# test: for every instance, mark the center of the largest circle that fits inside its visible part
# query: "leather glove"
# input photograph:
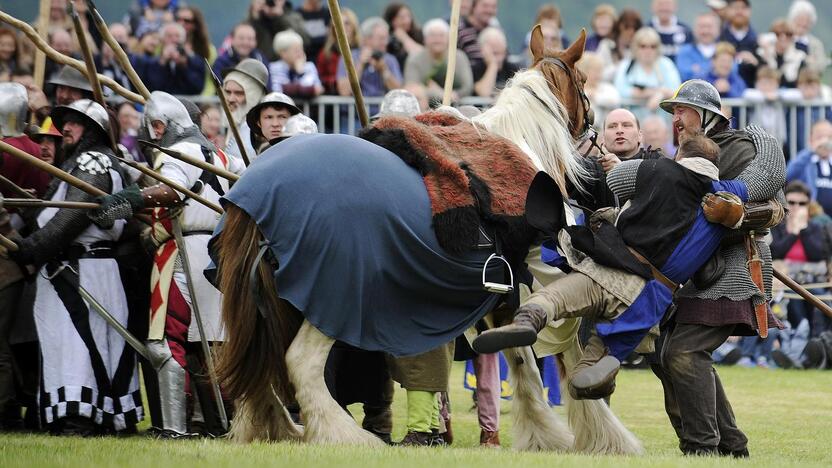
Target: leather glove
(723, 208)
(120, 205)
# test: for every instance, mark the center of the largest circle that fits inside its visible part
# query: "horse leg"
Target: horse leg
(325, 421)
(536, 426)
(597, 429)
(263, 418)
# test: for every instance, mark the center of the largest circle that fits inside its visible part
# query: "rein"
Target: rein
(587, 127)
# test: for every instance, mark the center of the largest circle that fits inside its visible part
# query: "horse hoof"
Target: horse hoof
(596, 381)
(509, 336)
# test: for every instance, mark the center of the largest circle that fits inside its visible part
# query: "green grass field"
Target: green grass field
(787, 416)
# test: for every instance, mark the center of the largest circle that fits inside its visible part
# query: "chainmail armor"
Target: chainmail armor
(622, 179)
(764, 177)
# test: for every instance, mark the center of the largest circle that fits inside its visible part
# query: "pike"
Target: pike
(51, 170)
(228, 115)
(38, 203)
(62, 59)
(192, 161)
(346, 53)
(153, 174)
(206, 350)
(129, 338)
(802, 292)
(452, 41)
(16, 188)
(120, 55)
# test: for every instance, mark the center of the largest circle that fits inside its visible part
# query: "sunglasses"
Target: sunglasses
(648, 46)
(185, 20)
(783, 34)
(797, 203)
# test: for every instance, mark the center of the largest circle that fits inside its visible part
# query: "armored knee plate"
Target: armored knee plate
(171, 378)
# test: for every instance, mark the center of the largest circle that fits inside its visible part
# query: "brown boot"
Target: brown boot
(596, 381)
(522, 331)
(489, 439)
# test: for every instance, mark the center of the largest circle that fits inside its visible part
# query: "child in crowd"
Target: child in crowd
(293, 75)
(724, 74)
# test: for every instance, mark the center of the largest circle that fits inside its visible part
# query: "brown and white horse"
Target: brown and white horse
(281, 356)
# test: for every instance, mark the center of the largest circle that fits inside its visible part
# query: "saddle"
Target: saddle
(476, 181)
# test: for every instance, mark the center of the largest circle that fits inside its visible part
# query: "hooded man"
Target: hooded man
(244, 86)
(89, 379)
(173, 335)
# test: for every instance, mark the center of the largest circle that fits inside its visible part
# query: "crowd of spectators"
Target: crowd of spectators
(632, 57)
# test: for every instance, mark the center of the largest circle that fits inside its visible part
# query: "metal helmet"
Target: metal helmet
(398, 102)
(193, 110)
(14, 104)
(167, 109)
(695, 93)
(72, 78)
(89, 111)
(270, 100)
(299, 124)
(252, 68)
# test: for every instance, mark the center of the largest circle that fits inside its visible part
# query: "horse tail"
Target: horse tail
(597, 429)
(536, 426)
(251, 364)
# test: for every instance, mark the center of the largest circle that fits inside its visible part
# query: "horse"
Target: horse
(275, 352)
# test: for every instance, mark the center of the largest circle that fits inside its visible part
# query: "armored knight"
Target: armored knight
(89, 378)
(174, 336)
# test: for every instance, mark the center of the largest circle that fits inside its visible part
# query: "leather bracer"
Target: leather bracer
(159, 195)
(762, 215)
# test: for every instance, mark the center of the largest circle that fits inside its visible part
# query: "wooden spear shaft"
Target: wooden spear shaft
(51, 170)
(800, 290)
(43, 29)
(8, 243)
(38, 203)
(16, 188)
(120, 55)
(152, 174)
(193, 161)
(452, 41)
(63, 59)
(89, 62)
(346, 53)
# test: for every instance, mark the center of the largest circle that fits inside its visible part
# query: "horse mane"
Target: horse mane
(250, 363)
(530, 115)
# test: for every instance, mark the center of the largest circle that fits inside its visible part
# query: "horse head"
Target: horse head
(565, 81)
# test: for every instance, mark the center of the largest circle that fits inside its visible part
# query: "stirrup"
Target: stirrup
(498, 288)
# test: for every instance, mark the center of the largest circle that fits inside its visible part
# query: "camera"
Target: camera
(270, 3)
(378, 55)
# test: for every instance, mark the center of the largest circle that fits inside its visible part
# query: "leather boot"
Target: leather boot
(522, 331)
(596, 381)
(489, 439)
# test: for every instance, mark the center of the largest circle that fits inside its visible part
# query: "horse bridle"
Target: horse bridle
(588, 131)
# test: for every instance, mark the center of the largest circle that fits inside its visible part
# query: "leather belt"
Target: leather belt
(101, 249)
(658, 275)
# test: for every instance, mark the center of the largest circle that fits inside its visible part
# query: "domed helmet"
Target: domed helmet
(270, 100)
(398, 102)
(170, 111)
(299, 124)
(90, 112)
(695, 93)
(71, 78)
(252, 68)
(14, 104)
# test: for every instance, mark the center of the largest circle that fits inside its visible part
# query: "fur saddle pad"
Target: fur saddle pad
(473, 177)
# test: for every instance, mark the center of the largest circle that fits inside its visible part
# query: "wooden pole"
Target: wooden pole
(228, 115)
(62, 59)
(346, 53)
(452, 41)
(8, 243)
(38, 203)
(152, 174)
(16, 188)
(193, 161)
(792, 284)
(51, 170)
(89, 61)
(43, 31)
(120, 55)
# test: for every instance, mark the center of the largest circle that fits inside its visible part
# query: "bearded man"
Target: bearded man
(244, 86)
(89, 378)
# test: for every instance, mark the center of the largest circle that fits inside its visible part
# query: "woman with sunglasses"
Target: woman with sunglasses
(778, 50)
(647, 76)
(198, 41)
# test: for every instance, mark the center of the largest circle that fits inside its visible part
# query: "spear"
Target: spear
(62, 59)
(38, 203)
(120, 56)
(346, 53)
(152, 174)
(193, 161)
(228, 115)
(51, 170)
(92, 75)
(451, 69)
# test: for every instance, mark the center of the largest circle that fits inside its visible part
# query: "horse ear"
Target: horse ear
(576, 50)
(536, 44)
